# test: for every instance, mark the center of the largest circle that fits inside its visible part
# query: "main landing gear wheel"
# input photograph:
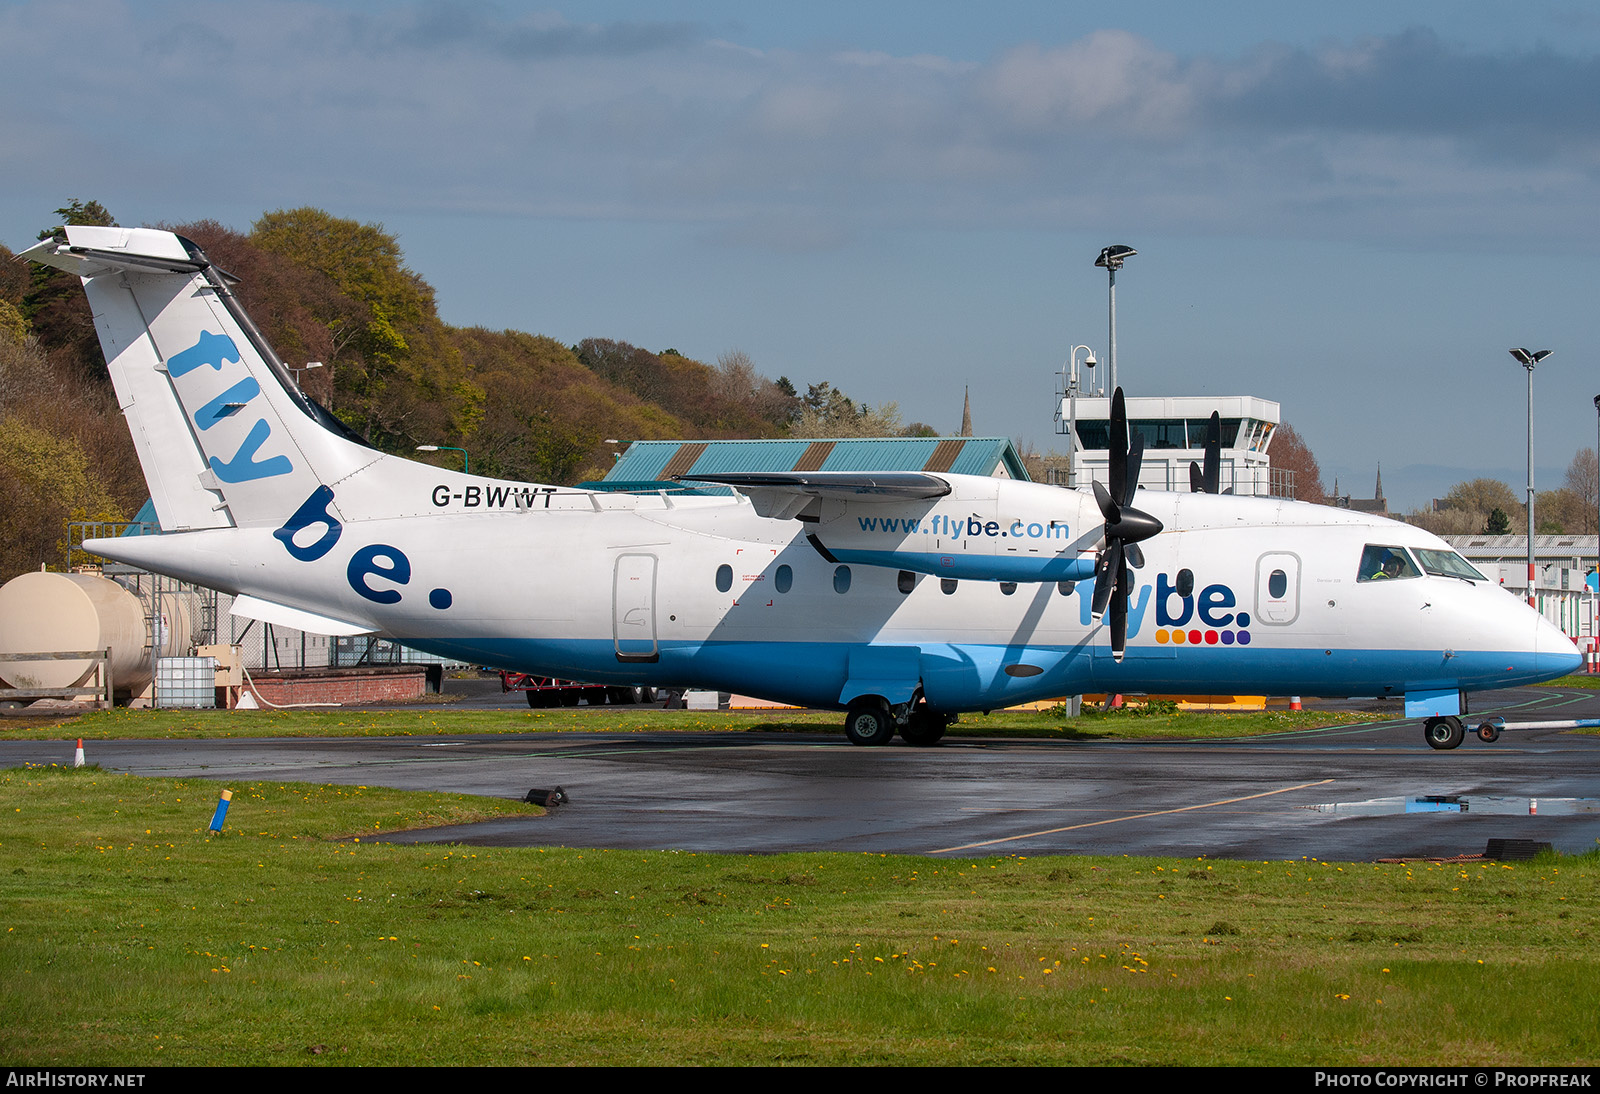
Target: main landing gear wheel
(868, 722)
(1443, 733)
(924, 728)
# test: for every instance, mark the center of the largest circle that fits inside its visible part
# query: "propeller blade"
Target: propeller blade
(1135, 462)
(1119, 615)
(1134, 555)
(1105, 576)
(1213, 469)
(1118, 448)
(1108, 508)
(1197, 479)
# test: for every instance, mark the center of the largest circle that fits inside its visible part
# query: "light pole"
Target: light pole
(1111, 260)
(466, 467)
(1072, 410)
(1594, 612)
(1527, 359)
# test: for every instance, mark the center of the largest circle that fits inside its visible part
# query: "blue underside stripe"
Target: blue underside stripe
(973, 677)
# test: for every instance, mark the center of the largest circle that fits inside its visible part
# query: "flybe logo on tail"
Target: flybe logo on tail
(217, 350)
(312, 531)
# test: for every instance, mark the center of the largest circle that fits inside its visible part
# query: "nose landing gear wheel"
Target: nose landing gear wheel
(1443, 733)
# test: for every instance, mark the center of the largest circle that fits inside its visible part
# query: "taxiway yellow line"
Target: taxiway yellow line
(1131, 816)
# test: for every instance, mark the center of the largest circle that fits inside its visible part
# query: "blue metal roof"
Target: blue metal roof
(653, 461)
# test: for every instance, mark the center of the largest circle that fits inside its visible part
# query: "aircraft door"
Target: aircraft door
(1278, 588)
(633, 599)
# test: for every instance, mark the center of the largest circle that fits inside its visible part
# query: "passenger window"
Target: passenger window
(783, 580)
(1008, 587)
(907, 581)
(1186, 583)
(724, 578)
(841, 579)
(1277, 584)
(1381, 563)
(947, 585)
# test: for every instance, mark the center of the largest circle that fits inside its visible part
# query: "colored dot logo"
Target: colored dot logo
(1179, 637)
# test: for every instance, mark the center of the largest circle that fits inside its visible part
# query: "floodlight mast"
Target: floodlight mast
(1527, 359)
(1111, 259)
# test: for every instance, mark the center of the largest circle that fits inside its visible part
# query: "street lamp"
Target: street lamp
(1527, 359)
(304, 368)
(1072, 410)
(466, 467)
(1111, 260)
(1594, 612)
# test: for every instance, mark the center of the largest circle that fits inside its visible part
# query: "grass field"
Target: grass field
(1578, 680)
(133, 937)
(1091, 725)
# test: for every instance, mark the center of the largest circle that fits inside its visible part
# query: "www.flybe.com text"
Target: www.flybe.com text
(965, 527)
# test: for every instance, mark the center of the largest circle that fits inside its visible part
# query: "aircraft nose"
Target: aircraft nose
(1553, 651)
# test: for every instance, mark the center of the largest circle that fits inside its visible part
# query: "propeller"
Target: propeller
(1125, 527)
(1209, 481)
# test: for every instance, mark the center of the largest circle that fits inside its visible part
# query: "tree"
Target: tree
(1561, 511)
(826, 412)
(1498, 523)
(1290, 452)
(739, 384)
(56, 309)
(47, 480)
(401, 381)
(1583, 480)
(731, 400)
(1469, 507)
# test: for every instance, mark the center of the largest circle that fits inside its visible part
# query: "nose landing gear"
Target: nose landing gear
(1444, 733)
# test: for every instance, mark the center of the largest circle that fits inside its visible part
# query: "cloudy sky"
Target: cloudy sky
(1354, 209)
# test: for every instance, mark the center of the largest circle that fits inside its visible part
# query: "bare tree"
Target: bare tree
(1583, 481)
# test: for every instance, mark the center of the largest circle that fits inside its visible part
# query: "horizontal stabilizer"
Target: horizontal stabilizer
(281, 615)
(99, 250)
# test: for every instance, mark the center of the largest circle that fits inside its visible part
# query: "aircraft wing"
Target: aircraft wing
(785, 494)
(842, 485)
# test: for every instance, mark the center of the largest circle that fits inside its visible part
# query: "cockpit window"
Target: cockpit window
(1380, 563)
(1448, 564)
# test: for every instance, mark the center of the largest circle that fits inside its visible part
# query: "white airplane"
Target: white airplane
(902, 598)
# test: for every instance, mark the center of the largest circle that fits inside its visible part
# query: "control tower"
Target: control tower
(1174, 430)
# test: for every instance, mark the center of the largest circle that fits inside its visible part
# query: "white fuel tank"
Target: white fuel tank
(51, 613)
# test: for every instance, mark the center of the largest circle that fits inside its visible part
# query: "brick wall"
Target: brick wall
(344, 686)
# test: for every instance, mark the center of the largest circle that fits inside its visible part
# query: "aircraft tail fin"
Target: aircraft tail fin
(224, 435)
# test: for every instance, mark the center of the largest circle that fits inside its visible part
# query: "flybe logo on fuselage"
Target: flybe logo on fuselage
(1203, 618)
(1212, 607)
(217, 350)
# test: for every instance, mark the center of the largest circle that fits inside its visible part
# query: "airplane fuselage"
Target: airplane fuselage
(702, 591)
(903, 597)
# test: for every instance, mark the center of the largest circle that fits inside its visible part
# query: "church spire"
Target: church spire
(1378, 494)
(966, 412)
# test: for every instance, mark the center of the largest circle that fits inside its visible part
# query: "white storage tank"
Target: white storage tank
(58, 613)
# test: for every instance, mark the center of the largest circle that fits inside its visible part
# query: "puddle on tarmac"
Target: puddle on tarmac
(1483, 804)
